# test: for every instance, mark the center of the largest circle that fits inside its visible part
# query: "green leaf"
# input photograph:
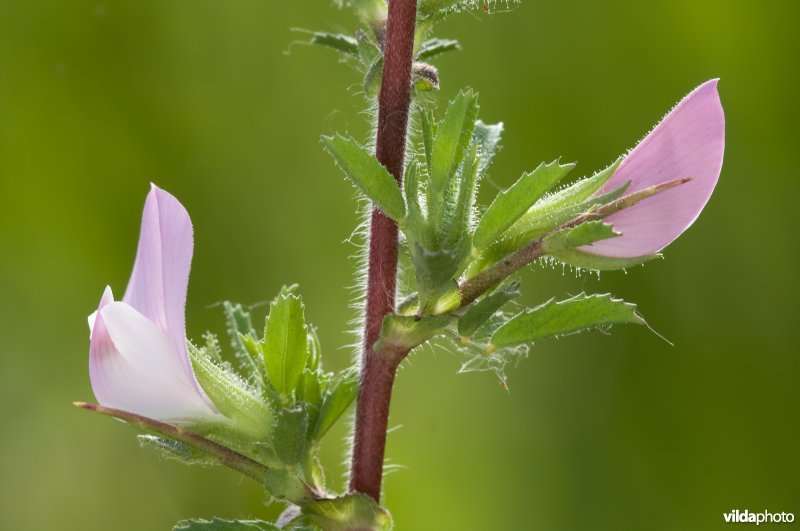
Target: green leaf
(428, 129)
(434, 271)
(343, 43)
(286, 485)
(341, 393)
(512, 203)
(252, 417)
(593, 262)
(487, 136)
(289, 437)
(373, 77)
(459, 225)
(433, 47)
(285, 343)
(452, 140)
(415, 226)
(218, 524)
(403, 333)
(481, 311)
(369, 175)
(354, 511)
(584, 234)
(552, 318)
(310, 392)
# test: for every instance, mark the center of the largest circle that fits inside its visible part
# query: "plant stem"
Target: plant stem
(220, 454)
(378, 368)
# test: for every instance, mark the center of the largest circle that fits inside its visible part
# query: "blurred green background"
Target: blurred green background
(622, 432)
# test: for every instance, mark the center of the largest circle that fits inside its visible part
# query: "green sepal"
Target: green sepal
(582, 312)
(285, 344)
(369, 175)
(584, 260)
(175, 450)
(342, 43)
(402, 333)
(511, 204)
(481, 311)
(218, 524)
(353, 511)
(339, 395)
(289, 436)
(586, 233)
(250, 416)
(433, 47)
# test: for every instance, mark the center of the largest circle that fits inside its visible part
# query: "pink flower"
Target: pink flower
(689, 142)
(138, 360)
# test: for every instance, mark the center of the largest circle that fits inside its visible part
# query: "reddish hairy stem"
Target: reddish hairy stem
(378, 368)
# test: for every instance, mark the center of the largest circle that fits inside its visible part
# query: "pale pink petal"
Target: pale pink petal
(133, 367)
(157, 287)
(689, 142)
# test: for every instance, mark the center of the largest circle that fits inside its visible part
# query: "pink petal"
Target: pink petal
(133, 367)
(689, 142)
(157, 287)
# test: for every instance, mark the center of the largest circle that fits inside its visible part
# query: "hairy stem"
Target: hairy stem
(378, 368)
(221, 454)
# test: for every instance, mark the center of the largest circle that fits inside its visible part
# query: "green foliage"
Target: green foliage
(342, 43)
(174, 450)
(354, 511)
(339, 395)
(289, 437)
(433, 47)
(512, 203)
(453, 137)
(481, 311)
(239, 328)
(285, 345)
(250, 416)
(218, 524)
(367, 174)
(401, 333)
(584, 234)
(582, 312)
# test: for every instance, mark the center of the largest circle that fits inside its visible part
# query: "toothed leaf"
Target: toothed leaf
(369, 175)
(552, 318)
(512, 203)
(343, 43)
(433, 47)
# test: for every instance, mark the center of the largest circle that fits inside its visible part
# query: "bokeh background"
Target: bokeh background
(98, 98)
